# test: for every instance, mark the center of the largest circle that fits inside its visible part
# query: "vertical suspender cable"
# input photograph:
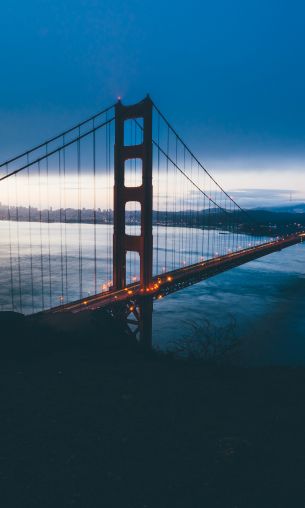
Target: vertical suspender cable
(49, 232)
(65, 218)
(40, 234)
(60, 225)
(80, 253)
(94, 209)
(18, 242)
(30, 237)
(10, 239)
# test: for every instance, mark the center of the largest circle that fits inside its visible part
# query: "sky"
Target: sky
(229, 75)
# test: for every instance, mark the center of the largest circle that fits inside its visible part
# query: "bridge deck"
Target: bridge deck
(170, 282)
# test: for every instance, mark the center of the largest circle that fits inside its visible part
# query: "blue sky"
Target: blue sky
(229, 75)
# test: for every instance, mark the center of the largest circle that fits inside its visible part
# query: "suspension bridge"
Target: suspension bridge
(115, 213)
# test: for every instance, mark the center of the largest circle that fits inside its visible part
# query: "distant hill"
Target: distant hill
(292, 208)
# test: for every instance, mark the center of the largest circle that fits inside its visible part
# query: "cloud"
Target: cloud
(251, 198)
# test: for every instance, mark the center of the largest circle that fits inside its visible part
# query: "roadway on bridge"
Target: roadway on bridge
(176, 280)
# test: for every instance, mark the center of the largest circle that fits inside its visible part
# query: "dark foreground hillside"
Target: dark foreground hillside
(88, 425)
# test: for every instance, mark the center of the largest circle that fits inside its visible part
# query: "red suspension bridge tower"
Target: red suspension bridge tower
(143, 194)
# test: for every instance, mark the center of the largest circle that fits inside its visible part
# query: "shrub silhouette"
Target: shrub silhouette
(208, 342)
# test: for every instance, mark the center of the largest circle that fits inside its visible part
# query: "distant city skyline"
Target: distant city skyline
(45, 193)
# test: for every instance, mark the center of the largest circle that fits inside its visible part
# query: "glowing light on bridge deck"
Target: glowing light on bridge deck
(131, 308)
(159, 297)
(169, 278)
(129, 292)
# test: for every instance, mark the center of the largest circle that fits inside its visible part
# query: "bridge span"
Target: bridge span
(173, 224)
(132, 297)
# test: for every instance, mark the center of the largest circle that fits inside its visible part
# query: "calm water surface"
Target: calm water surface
(265, 297)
